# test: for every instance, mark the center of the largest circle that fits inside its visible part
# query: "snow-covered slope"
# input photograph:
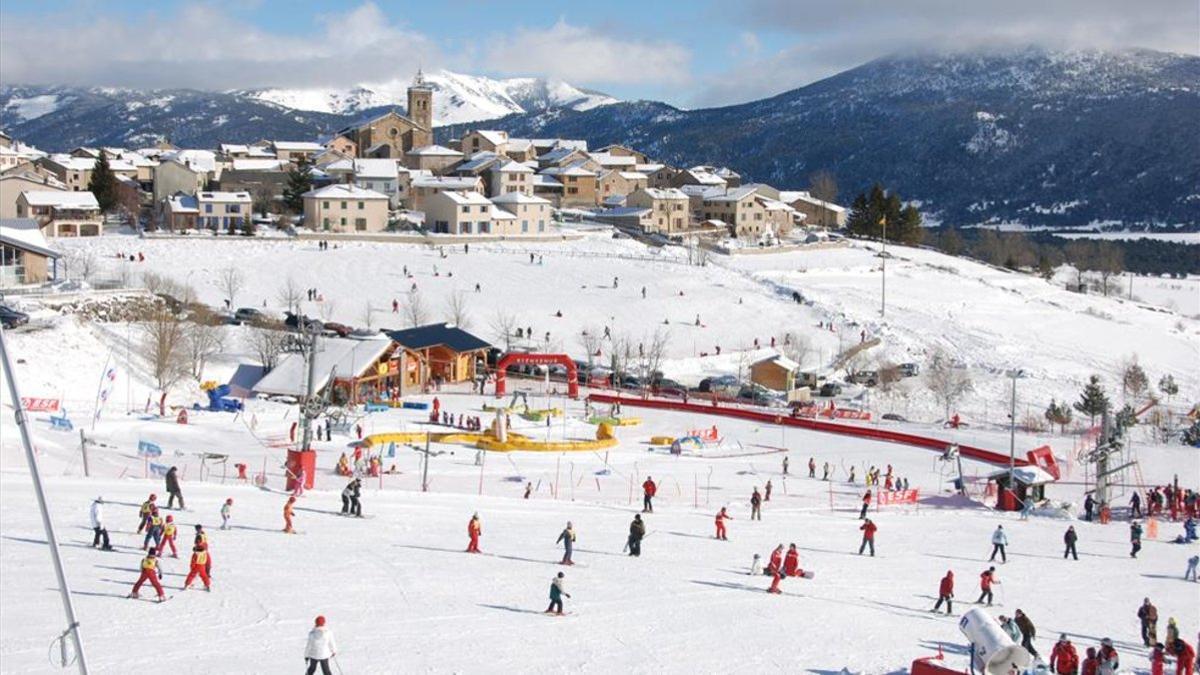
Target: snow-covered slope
(458, 98)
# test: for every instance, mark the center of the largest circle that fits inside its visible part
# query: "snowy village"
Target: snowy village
(461, 374)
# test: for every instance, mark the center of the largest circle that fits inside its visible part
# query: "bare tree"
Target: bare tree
(504, 326)
(81, 263)
(414, 310)
(622, 355)
(229, 282)
(163, 335)
(590, 340)
(1110, 262)
(204, 339)
(267, 344)
(797, 347)
(264, 199)
(156, 283)
(368, 315)
(1081, 255)
(654, 352)
(947, 383)
(290, 295)
(327, 307)
(457, 311)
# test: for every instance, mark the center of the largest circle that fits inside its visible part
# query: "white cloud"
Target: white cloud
(584, 55)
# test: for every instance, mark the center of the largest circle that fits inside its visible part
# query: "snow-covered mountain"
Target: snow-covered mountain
(459, 98)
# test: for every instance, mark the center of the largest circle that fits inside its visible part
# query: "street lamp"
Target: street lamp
(1015, 374)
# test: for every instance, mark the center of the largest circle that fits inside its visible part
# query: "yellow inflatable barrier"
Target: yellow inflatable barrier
(617, 421)
(662, 440)
(605, 438)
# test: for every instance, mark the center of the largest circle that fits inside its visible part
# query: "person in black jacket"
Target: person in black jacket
(1028, 632)
(173, 488)
(1069, 539)
(350, 495)
(637, 531)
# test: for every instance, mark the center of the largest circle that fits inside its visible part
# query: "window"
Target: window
(541, 226)
(234, 208)
(467, 227)
(524, 225)
(343, 223)
(466, 209)
(325, 223)
(360, 224)
(325, 205)
(362, 205)
(343, 205)
(572, 190)
(485, 227)
(208, 208)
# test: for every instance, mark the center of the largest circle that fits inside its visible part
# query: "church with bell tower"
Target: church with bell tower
(391, 134)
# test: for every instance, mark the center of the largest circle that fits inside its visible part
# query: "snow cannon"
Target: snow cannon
(217, 401)
(994, 651)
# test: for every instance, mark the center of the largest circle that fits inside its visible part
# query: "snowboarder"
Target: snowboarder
(755, 505)
(649, 489)
(144, 512)
(868, 538)
(1069, 539)
(986, 580)
(567, 539)
(350, 495)
(199, 560)
(556, 595)
(226, 510)
(173, 490)
(154, 530)
(946, 593)
(100, 537)
(474, 530)
(151, 573)
(289, 509)
(866, 504)
(812, 468)
(791, 562)
(637, 532)
(767, 492)
(722, 516)
(1064, 660)
(168, 538)
(320, 648)
(999, 542)
(1028, 632)
(1147, 616)
(1135, 538)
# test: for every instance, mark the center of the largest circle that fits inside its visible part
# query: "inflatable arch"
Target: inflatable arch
(540, 360)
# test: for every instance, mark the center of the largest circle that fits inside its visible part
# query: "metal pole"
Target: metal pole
(425, 466)
(83, 450)
(883, 272)
(47, 524)
(308, 411)
(1012, 433)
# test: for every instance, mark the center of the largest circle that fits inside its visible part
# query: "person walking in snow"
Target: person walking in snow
(866, 504)
(567, 539)
(100, 533)
(173, 490)
(767, 492)
(1069, 539)
(474, 531)
(151, 573)
(226, 511)
(144, 512)
(1028, 632)
(868, 538)
(1135, 538)
(557, 593)
(946, 593)
(1147, 615)
(320, 648)
(722, 516)
(637, 532)
(986, 580)
(649, 489)
(1089, 505)
(999, 542)
(168, 538)
(1010, 629)
(1064, 660)
(825, 472)
(812, 467)
(785, 465)
(199, 560)
(289, 509)
(1135, 505)
(755, 505)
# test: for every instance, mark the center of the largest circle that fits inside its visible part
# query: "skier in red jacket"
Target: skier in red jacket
(1064, 660)
(649, 489)
(866, 504)
(168, 538)
(474, 530)
(776, 563)
(1185, 657)
(946, 592)
(721, 518)
(985, 585)
(791, 563)
(151, 573)
(199, 560)
(868, 538)
(1091, 662)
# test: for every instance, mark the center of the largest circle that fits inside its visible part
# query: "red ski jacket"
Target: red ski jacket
(947, 585)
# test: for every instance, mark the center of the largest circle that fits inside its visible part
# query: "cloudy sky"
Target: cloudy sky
(692, 54)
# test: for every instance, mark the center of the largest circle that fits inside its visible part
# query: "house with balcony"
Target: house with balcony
(62, 214)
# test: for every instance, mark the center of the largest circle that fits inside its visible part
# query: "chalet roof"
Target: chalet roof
(438, 334)
(25, 234)
(335, 357)
(433, 151)
(344, 191)
(61, 200)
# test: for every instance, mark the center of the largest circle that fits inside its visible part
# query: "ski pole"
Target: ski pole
(337, 665)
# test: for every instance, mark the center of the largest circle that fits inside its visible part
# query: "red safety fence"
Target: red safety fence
(872, 433)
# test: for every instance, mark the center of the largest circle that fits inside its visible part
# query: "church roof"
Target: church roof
(378, 118)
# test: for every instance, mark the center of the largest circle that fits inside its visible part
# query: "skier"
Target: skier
(567, 539)
(1158, 659)
(528, 489)
(1185, 657)
(151, 573)
(866, 504)
(868, 538)
(1135, 538)
(301, 477)
(289, 509)
(721, 517)
(1089, 505)
(1147, 616)
(755, 505)
(1109, 660)
(756, 567)
(1135, 505)
(173, 489)
(1064, 660)
(201, 538)
(226, 509)
(791, 562)
(637, 532)
(648, 491)
(168, 538)
(946, 593)
(999, 541)
(474, 530)
(825, 475)
(1028, 632)
(785, 465)
(144, 512)
(985, 586)
(320, 648)
(101, 533)
(1192, 563)
(615, 280)
(851, 481)
(1069, 539)
(556, 595)
(154, 530)
(199, 560)
(812, 468)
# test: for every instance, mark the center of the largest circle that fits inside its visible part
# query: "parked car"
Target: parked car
(720, 384)
(830, 389)
(754, 395)
(867, 377)
(893, 417)
(11, 318)
(909, 369)
(248, 315)
(630, 382)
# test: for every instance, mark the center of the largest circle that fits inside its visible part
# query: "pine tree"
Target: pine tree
(1092, 402)
(1134, 381)
(299, 181)
(1126, 417)
(1166, 384)
(103, 184)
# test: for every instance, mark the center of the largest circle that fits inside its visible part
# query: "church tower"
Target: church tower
(420, 110)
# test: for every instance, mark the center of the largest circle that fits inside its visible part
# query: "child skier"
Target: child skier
(199, 560)
(1069, 540)
(168, 538)
(722, 516)
(985, 586)
(556, 595)
(151, 573)
(201, 539)
(101, 532)
(756, 568)
(288, 510)
(868, 538)
(474, 531)
(567, 539)
(866, 504)
(226, 510)
(1135, 538)
(154, 530)
(649, 489)
(637, 532)
(144, 513)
